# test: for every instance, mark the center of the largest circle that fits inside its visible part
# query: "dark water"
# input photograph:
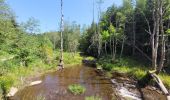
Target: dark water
(55, 85)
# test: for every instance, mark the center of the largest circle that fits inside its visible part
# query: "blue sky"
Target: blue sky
(48, 11)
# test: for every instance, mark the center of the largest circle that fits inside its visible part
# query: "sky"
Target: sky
(48, 11)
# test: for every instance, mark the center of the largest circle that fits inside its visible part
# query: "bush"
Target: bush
(93, 98)
(76, 89)
(107, 66)
(6, 83)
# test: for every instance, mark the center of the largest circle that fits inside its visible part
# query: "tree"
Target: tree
(98, 29)
(105, 36)
(31, 26)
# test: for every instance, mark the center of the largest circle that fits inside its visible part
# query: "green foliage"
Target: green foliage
(31, 26)
(125, 65)
(168, 31)
(24, 57)
(90, 58)
(165, 79)
(5, 83)
(105, 35)
(93, 98)
(112, 29)
(76, 89)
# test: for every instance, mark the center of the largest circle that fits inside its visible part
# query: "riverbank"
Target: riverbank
(55, 85)
(13, 75)
(131, 67)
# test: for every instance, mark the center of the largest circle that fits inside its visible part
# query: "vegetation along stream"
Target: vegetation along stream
(48, 46)
(55, 85)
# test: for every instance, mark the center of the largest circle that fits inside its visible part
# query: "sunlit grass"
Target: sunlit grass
(131, 68)
(93, 98)
(76, 89)
(165, 79)
(13, 74)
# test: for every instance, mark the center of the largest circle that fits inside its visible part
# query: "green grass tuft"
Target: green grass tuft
(76, 89)
(93, 98)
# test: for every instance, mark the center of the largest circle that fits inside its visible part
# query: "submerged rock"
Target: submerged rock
(35, 83)
(12, 92)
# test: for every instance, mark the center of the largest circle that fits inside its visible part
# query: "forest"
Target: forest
(131, 39)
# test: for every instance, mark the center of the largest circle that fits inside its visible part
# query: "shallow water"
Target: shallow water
(54, 85)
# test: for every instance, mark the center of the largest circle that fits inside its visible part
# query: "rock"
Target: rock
(12, 92)
(35, 83)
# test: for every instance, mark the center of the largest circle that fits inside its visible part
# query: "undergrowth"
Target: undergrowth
(131, 67)
(13, 74)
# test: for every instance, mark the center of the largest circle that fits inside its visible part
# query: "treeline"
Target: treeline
(71, 37)
(25, 41)
(20, 39)
(138, 28)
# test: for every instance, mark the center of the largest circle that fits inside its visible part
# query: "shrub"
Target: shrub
(5, 83)
(76, 89)
(107, 66)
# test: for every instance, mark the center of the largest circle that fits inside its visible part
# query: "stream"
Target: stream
(54, 86)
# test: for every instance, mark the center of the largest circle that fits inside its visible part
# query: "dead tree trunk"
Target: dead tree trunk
(155, 34)
(123, 42)
(160, 83)
(61, 63)
(161, 64)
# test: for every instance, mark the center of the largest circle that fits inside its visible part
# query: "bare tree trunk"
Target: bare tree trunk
(123, 42)
(134, 34)
(115, 49)
(155, 35)
(113, 56)
(111, 45)
(61, 63)
(99, 44)
(99, 37)
(161, 64)
(122, 47)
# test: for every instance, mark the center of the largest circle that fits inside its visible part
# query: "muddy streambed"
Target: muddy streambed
(54, 86)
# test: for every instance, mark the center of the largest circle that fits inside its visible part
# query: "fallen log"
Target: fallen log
(160, 83)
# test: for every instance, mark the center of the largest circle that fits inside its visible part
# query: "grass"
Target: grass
(131, 67)
(70, 58)
(76, 89)
(90, 58)
(93, 98)
(12, 74)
